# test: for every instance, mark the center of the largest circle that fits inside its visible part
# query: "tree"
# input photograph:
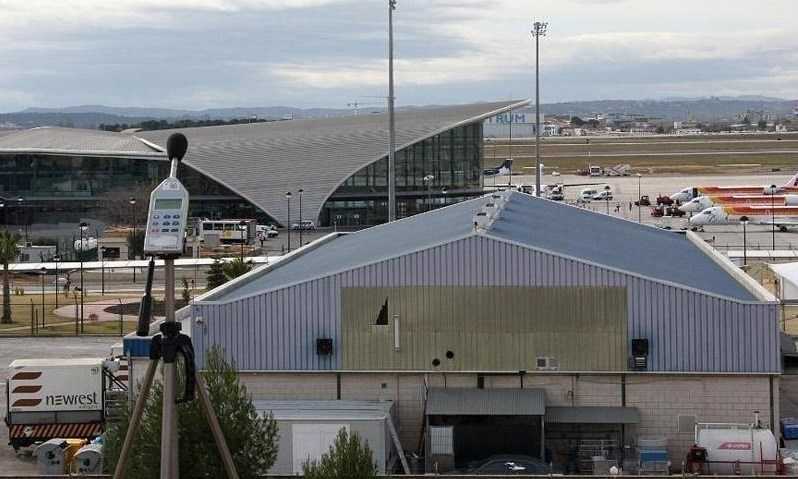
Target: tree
(236, 268)
(251, 437)
(186, 293)
(8, 253)
(215, 276)
(762, 124)
(135, 244)
(660, 130)
(348, 458)
(576, 121)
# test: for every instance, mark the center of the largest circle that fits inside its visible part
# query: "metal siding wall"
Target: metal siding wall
(687, 330)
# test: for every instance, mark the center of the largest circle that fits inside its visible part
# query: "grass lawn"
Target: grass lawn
(22, 311)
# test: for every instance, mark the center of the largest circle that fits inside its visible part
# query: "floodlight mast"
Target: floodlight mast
(391, 120)
(539, 29)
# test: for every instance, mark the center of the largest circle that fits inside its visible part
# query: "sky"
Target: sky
(195, 54)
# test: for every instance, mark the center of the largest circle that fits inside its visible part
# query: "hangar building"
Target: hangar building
(552, 323)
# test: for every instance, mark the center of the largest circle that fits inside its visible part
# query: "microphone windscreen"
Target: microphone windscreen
(176, 146)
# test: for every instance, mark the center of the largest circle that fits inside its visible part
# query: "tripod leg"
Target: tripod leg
(169, 444)
(216, 429)
(135, 420)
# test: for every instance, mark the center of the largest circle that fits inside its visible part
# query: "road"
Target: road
(21, 348)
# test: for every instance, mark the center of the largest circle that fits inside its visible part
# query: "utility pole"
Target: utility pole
(391, 122)
(538, 30)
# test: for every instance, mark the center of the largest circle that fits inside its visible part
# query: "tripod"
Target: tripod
(166, 346)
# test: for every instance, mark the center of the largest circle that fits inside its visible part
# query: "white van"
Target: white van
(587, 194)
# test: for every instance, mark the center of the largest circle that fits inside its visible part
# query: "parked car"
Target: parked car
(304, 225)
(268, 231)
(507, 465)
(603, 195)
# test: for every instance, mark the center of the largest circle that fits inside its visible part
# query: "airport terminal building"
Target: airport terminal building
(65, 174)
(507, 324)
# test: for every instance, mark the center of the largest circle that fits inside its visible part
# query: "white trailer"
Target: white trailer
(57, 398)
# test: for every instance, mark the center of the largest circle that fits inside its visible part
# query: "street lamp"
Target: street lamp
(443, 192)
(428, 181)
(101, 252)
(134, 243)
(288, 199)
(56, 259)
(83, 227)
(21, 200)
(242, 226)
(301, 226)
(43, 271)
(773, 189)
(639, 198)
(538, 30)
(744, 222)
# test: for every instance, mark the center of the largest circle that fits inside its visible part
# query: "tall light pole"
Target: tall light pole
(428, 181)
(538, 30)
(134, 243)
(391, 121)
(56, 258)
(101, 254)
(744, 222)
(773, 189)
(83, 227)
(44, 275)
(639, 197)
(288, 199)
(301, 226)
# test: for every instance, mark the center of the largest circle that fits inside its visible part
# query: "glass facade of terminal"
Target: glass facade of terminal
(453, 160)
(67, 189)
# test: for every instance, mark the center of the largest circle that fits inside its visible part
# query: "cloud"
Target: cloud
(208, 53)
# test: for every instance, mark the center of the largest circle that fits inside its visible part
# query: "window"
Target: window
(382, 317)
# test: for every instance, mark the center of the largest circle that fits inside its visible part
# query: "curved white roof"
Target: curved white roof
(262, 161)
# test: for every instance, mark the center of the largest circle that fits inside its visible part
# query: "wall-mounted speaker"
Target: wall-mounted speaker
(324, 346)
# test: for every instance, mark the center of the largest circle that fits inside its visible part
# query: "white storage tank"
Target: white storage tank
(727, 444)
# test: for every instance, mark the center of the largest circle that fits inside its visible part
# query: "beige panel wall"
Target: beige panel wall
(659, 398)
(490, 328)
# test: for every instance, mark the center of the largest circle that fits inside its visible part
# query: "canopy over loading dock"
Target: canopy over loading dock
(465, 424)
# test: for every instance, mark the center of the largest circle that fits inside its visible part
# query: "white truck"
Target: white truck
(59, 398)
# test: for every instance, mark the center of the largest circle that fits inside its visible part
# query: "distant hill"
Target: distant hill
(91, 116)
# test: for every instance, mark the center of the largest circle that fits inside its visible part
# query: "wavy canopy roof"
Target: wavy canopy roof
(262, 161)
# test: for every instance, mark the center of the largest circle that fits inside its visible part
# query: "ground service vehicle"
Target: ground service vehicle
(643, 201)
(59, 398)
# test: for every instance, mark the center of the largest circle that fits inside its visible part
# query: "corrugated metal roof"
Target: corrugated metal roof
(526, 220)
(76, 141)
(365, 246)
(261, 161)
(614, 242)
(592, 415)
(486, 402)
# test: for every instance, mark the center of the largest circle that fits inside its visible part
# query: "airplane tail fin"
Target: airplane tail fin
(792, 182)
(508, 163)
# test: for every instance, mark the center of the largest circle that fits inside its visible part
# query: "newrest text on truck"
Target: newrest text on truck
(59, 398)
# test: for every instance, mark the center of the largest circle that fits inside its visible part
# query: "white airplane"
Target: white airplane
(781, 216)
(707, 201)
(688, 194)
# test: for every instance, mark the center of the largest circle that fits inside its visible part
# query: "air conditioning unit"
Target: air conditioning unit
(547, 363)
